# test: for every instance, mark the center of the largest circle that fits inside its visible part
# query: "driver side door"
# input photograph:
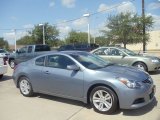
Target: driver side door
(60, 80)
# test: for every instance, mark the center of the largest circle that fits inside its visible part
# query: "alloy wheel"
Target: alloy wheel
(102, 100)
(25, 87)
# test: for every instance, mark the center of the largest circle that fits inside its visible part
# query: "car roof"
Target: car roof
(63, 52)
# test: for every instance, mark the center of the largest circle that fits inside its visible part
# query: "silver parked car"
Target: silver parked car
(85, 77)
(128, 58)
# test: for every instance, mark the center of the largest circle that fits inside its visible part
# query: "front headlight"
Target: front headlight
(155, 60)
(130, 83)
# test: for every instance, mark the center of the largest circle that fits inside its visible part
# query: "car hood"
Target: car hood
(126, 72)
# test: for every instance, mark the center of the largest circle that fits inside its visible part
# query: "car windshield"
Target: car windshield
(90, 61)
(129, 52)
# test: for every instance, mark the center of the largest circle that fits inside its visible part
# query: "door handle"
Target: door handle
(47, 72)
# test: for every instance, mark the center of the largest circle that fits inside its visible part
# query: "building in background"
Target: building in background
(152, 45)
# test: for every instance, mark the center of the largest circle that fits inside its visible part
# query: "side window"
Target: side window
(115, 52)
(59, 61)
(39, 48)
(69, 47)
(23, 50)
(40, 61)
(30, 49)
(102, 51)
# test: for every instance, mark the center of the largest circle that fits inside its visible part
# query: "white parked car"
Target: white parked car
(3, 67)
(3, 53)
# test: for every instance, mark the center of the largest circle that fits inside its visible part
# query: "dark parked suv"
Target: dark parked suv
(80, 47)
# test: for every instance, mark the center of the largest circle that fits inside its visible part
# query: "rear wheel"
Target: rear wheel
(103, 100)
(25, 87)
(12, 63)
(140, 65)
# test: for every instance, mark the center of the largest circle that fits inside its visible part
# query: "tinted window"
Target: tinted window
(40, 61)
(69, 47)
(30, 49)
(2, 51)
(84, 46)
(42, 48)
(115, 52)
(78, 46)
(59, 61)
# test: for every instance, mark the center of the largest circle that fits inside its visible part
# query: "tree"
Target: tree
(36, 35)
(102, 41)
(4, 44)
(26, 40)
(77, 37)
(127, 28)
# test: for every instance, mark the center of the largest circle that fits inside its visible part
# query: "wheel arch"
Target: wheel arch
(96, 85)
(19, 79)
(10, 59)
(140, 62)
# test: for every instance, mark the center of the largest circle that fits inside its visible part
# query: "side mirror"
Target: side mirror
(73, 67)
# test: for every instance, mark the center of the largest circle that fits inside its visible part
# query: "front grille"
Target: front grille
(147, 81)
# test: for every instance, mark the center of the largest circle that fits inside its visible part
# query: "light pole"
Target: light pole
(43, 33)
(87, 15)
(144, 30)
(15, 40)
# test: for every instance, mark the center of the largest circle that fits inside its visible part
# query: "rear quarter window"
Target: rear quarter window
(40, 61)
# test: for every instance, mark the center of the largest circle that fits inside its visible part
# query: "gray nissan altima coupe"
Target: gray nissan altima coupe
(85, 77)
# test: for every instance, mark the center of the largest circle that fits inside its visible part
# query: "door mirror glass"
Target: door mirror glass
(73, 67)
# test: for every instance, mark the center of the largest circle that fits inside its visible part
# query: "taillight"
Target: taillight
(5, 61)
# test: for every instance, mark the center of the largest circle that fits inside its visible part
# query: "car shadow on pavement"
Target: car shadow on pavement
(134, 112)
(5, 78)
(62, 100)
(141, 111)
(154, 72)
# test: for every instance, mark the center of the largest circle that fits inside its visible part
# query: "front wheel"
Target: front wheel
(25, 87)
(140, 65)
(103, 100)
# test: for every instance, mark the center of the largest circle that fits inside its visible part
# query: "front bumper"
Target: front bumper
(136, 98)
(154, 67)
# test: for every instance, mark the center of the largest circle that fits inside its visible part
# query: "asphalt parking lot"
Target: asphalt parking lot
(14, 106)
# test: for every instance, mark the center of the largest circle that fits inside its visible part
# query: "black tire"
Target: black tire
(1, 76)
(113, 100)
(12, 63)
(25, 91)
(141, 65)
